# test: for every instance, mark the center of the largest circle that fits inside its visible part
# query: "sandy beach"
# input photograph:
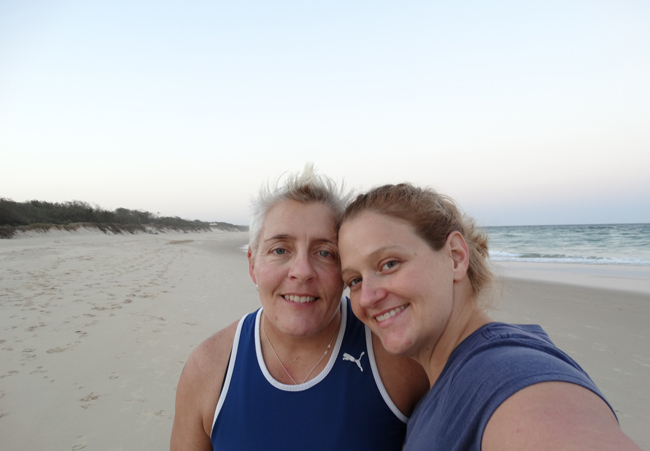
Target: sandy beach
(95, 330)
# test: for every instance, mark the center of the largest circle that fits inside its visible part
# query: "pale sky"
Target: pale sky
(532, 112)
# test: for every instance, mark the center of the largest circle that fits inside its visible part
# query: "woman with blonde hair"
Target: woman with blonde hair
(417, 272)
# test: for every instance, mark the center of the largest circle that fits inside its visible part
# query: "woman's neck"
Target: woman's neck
(295, 360)
(465, 319)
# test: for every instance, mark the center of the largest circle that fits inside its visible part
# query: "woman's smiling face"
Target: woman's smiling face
(296, 267)
(399, 286)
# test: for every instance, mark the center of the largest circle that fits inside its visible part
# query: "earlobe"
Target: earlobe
(251, 265)
(459, 254)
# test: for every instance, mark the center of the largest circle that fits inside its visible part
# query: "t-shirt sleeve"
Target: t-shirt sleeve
(495, 371)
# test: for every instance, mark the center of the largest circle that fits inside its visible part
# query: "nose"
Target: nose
(371, 292)
(302, 268)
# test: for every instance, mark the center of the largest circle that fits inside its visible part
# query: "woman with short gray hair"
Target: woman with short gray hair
(302, 372)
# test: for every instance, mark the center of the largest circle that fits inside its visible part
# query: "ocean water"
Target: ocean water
(594, 244)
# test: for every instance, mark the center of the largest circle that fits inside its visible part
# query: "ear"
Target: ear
(251, 265)
(459, 254)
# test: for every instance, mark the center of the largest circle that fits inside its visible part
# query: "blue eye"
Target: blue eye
(389, 265)
(354, 282)
(325, 253)
(279, 251)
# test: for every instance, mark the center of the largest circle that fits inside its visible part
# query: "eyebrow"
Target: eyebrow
(283, 236)
(279, 237)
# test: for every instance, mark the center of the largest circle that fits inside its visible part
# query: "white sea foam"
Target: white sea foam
(498, 256)
(609, 244)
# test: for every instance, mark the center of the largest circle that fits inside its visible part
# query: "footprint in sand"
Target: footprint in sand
(135, 396)
(89, 397)
(26, 357)
(39, 369)
(107, 307)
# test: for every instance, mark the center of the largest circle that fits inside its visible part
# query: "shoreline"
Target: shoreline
(95, 330)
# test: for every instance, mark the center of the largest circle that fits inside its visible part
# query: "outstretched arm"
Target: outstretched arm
(555, 416)
(198, 392)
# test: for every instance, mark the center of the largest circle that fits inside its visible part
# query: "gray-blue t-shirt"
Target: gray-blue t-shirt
(484, 370)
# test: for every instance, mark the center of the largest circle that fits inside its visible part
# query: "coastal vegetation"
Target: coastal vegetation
(43, 216)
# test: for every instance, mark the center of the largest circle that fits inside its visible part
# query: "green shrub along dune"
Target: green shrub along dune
(43, 216)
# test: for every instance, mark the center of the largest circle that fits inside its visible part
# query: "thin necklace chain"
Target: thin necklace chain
(282, 365)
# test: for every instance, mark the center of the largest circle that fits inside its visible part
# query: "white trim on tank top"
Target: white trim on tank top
(321, 375)
(293, 388)
(231, 366)
(380, 385)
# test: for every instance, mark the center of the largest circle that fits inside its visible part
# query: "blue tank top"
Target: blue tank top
(345, 407)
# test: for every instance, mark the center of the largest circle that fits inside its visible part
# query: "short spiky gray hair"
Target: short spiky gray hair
(305, 187)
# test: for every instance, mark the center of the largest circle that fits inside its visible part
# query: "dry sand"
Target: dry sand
(95, 329)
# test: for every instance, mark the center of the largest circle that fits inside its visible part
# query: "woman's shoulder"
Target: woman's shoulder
(500, 359)
(495, 331)
(214, 352)
(201, 381)
(508, 352)
(511, 341)
(487, 368)
(208, 362)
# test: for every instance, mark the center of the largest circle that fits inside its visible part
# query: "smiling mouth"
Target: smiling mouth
(299, 299)
(389, 314)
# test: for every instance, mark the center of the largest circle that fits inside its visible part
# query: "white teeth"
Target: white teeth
(299, 299)
(387, 315)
